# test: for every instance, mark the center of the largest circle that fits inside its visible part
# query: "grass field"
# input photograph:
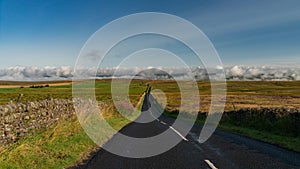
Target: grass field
(66, 143)
(102, 90)
(240, 94)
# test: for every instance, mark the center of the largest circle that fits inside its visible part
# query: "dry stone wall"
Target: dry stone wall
(19, 119)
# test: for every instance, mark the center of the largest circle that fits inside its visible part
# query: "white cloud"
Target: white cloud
(236, 71)
(232, 73)
(31, 73)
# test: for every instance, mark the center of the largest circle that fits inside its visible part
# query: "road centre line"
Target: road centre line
(210, 164)
(163, 123)
(177, 132)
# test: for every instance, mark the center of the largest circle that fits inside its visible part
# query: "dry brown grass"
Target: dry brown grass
(240, 94)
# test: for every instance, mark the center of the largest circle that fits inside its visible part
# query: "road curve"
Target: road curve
(223, 150)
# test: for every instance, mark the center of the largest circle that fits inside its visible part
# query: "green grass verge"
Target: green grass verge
(54, 148)
(58, 147)
(292, 143)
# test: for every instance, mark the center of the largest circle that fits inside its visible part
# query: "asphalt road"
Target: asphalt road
(223, 150)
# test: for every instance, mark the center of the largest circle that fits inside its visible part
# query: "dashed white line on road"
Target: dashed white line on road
(211, 165)
(177, 132)
(163, 123)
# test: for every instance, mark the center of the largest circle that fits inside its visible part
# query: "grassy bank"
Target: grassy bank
(62, 145)
(53, 148)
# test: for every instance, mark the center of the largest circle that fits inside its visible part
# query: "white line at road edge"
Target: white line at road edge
(211, 165)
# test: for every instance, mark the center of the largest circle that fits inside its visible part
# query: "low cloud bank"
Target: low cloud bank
(32, 73)
(262, 73)
(36, 73)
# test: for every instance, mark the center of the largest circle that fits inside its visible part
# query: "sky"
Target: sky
(52, 32)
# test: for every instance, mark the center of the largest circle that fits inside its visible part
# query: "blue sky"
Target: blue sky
(51, 33)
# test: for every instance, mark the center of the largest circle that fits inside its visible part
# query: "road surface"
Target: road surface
(223, 150)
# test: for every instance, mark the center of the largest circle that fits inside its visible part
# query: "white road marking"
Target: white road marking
(163, 123)
(177, 132)
(211, 165)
